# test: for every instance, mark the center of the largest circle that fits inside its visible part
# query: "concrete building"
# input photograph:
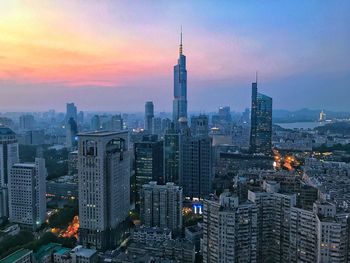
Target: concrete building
(104, 187)
(149, 115)
(95, 123)
(230, 230)
(148, 156)
(178, 250)
(150, 234)
(274, 211)
(27, 193)
(117, 123)
(161, 206)
(200, 125)
(8, 156)
(26, 122)
(71, 112)
(196, 166)
(20, 256)
(172, 140)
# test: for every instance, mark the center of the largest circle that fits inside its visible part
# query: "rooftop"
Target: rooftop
(6, 131)
(24, 165)
(84, 252)
(16, 256)
(101, 133)
(62, 251)
(46, 249)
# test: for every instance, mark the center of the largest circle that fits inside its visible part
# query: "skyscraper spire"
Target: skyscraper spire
(181, 42)
(256, 77)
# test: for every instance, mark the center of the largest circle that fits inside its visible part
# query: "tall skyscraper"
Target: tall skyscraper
(71, 112)
(161, 205)
(196, 165)
(104, 187)
(27, 193)
(180, 87)
(261, 122)
(149, 115)
(8, 156)
(148, 156)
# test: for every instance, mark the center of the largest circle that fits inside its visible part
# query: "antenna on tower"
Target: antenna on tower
(181, 41)
(256, 77)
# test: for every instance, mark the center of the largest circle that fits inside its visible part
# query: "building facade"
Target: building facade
(27, 193)
(196, 166)
(172, 140)
(261, 122)
(161, 206)
(8, 156)
(230, 230)
(104, 187)
(148, 156)
(149, 115)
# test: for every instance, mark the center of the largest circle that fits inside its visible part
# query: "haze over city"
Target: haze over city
(113, 56)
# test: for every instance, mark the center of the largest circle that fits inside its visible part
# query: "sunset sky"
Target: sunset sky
(115, 55)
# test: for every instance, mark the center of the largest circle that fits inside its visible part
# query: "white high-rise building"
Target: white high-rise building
(27, 191)
(161, 205)
(104, 187)
(8, 156)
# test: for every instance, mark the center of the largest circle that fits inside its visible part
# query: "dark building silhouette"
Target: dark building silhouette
(261, 122)
(148, 162)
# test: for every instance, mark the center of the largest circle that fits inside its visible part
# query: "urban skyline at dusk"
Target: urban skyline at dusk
(174, 131)
(114, 56)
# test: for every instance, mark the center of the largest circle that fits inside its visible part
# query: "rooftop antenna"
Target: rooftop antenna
(256, 77)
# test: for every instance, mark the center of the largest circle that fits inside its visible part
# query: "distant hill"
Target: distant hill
(336, 127)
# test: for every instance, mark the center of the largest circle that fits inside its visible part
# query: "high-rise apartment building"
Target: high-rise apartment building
(274, 211)
(196, 166)
(180, 87)
(8, 156)
(230, 230)
(269, 227)
(148, 156)
(149, 115)
(104, 187)
(161, 206)
(27, 193)
(261, 122)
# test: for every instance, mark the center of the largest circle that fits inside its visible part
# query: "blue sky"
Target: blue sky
(117, 55)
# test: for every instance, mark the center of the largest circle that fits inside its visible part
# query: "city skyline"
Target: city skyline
(57, 52)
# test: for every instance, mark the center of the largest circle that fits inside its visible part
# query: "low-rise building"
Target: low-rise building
(19, 256)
